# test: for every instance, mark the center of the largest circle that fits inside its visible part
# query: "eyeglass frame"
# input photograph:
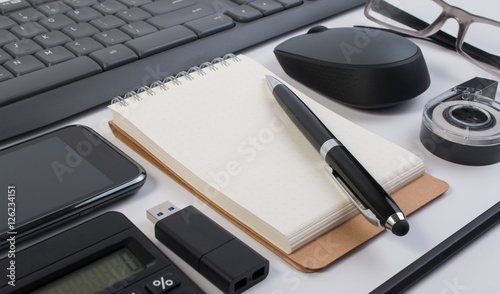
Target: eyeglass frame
(463, 18)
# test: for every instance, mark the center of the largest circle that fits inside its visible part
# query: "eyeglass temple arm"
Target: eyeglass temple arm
(441, 38)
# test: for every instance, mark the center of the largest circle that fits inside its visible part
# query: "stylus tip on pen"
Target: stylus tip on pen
(401, 228)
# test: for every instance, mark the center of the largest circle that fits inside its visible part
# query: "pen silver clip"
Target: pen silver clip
(368, 214)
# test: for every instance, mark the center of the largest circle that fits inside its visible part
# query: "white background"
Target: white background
(472, 189)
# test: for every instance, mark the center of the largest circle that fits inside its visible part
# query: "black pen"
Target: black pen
(361, 188)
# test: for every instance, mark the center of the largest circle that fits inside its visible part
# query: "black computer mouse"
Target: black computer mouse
(361, 67)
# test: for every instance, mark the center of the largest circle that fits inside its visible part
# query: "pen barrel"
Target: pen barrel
(361, 183)
(305, 120)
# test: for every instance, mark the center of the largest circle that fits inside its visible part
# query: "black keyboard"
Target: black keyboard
(59, 58)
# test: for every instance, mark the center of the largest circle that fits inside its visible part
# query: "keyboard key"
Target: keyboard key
(28, 30)
(53, 8)
(5, 74)
(23, 65)
(4, 56)
(26, 15)
(22, 47)
(54, 55)
(80, 3)
(160, 41)
(56, 22)
(52, 39)
(83, 46)
(164, 6)
(267, 7)
(80, 30)
(112, 37)
(113, 56)
(107, 22)
(244, 13)
(211, 24)
(9, 6)
(290, 3)
(7, 37)
(6, 23)
(38, 2)
(47, 78)
(84, 14)
(180, 16)
(242, 2)
(135, 3)
(109, 7)
(138, 29)
(133, 15)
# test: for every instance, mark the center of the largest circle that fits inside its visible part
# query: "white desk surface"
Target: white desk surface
(472, 190)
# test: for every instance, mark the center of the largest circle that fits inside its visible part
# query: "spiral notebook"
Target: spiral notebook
(219, 131)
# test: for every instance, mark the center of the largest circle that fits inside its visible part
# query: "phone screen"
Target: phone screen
(68, 170)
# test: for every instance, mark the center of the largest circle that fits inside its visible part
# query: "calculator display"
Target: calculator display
(96, 276)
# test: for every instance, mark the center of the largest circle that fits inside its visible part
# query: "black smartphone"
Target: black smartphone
(60, 175)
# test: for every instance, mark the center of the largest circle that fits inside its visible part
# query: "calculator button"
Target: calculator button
(163, 283)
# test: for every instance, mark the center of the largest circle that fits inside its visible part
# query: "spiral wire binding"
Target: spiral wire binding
(175, 80)
(119, 99)
(146, 89)
(132, 94)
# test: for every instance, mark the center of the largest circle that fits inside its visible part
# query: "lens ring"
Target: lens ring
(469, 117)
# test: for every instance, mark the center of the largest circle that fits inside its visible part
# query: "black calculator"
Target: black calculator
(104, 255)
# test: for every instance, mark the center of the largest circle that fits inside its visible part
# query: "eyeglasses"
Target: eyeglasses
(478, 38)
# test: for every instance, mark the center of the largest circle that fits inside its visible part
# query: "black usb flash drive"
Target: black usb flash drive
(219, 256)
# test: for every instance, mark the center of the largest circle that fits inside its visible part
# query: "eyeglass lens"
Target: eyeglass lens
(400, 13)
(481, 40)
(484, 37)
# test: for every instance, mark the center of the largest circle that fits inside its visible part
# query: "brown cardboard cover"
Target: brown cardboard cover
(333, 244)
